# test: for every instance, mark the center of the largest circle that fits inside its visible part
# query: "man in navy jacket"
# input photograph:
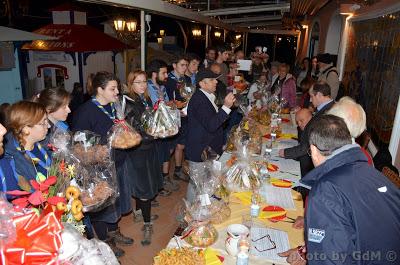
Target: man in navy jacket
(353, 212)
(205, 120)
(320, 95)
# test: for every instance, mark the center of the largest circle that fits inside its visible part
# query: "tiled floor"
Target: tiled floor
(164, 229)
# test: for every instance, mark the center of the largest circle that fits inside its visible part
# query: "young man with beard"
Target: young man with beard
(210, 57)
(158, 74)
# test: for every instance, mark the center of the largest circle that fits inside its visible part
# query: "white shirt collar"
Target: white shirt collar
(211, 97)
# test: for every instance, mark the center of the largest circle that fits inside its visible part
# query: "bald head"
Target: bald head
(215, 68)
(352, 114)
(303, 116)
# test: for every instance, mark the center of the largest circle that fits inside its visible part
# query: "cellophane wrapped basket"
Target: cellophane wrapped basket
(246, 134)
(160, 122)
(246, 172)
(121, 134)
(206, 209)
(97, 177)
(78, 250)
(65, 165)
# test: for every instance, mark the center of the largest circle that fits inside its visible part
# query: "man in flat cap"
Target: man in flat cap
(328, 73)
(205, 122)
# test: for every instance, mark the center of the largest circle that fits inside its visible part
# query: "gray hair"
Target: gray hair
(329, 133)
(352, 114)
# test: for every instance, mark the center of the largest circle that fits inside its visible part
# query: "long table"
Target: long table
(238, 210)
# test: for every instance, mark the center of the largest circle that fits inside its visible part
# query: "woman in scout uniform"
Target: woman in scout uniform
(28, 126)
(56, 101)
(98, 115)
(142, 163)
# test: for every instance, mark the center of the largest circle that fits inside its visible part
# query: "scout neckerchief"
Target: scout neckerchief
(62, 125)
(181, 79)
(3, 176)
(111, 116)
(173, 76)
(35, 160)
(144, 101)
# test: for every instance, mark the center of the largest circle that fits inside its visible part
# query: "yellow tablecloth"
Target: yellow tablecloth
(240, 208)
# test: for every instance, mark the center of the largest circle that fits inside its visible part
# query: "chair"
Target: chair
(391, 175)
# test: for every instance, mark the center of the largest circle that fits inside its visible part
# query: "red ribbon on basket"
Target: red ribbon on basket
(122, 123)
(155, 107)
(38, 240)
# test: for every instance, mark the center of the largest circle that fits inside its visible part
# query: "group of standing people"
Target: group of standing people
(143, 172)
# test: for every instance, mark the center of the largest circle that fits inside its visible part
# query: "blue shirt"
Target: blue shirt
(154, 92)
(324, 104)
(193, 79)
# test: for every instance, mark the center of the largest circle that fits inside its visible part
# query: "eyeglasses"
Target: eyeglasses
(44, 124)
(270, 240)
(139, 82)
(322, 151)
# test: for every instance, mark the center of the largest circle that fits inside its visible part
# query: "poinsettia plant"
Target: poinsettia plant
(38, 196)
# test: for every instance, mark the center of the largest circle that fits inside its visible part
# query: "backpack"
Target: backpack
(340, 93)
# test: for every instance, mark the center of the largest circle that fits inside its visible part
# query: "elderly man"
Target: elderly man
(354, 117)
(328, 73)
(303, 117)
(320, 98)
(352, 114)
(205, 121)
(353, 210)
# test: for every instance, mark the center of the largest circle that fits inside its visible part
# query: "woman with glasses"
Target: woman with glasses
(28, 126)
(142, 163)
(98, 115)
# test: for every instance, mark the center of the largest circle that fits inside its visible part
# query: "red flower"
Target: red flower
(62, 166)
(37, 197)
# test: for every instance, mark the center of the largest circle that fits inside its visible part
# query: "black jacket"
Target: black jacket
(204, 127)
(134, 110)
(353, 212)
(299, 152)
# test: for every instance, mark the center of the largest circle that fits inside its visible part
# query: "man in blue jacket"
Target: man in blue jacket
(205, 120)
(353, 212)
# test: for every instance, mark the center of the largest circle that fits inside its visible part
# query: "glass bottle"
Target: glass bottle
(255, 207)
(243, 256)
